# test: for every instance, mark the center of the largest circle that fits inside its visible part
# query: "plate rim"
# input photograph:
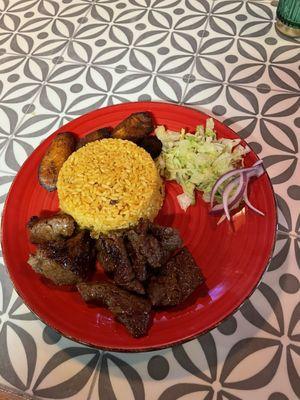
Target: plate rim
(172, 343)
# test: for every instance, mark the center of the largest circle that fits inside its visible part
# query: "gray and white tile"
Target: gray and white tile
(241, 46)
(151, 36)
(39, 27)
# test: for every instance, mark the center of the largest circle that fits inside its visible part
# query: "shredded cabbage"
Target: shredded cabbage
(197, 160)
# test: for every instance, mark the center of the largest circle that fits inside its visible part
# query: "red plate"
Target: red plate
(233, 257)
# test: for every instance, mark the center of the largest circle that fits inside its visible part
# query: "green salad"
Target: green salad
(197, 160)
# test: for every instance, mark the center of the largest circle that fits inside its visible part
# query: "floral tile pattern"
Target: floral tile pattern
(60, 59)
(39, 28)
(21, 80)
(241, 47)
(97, 86)
(161, 36)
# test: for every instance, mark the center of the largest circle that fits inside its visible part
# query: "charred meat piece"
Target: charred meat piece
(52, 270)
(167, 236)
(131, 255)
(152, 145)
(42, 230)
(178, 279)
(137, 258)
(151, 244)
(131, 310)
(154, 252)
(146, 249)
(135, 127)
(61, 147)
(99, 134)
(133, 286)
(112, 254)
(143, 226)
(65, 262)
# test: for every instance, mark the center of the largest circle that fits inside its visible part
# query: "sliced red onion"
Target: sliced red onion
(258, 162)
(228, 175)
(217, 208)
(223, 217)
(257, 171)
(247, 201)
(239, 185)
(225, 197)
(243, 182)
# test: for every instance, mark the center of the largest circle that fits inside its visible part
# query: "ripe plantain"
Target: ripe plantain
(99, 134)
(57, 153)
(135, 127)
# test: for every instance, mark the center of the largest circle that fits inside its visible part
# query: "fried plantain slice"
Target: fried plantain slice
(57, 153)
(99, 134)
(135, 127)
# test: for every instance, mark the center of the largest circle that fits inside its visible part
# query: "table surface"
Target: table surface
(61, 59)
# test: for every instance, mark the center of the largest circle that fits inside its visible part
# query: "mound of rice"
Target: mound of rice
(109, 184)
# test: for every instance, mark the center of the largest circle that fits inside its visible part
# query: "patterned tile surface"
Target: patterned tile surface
(241, 47)
(60, 59)
(159, 36)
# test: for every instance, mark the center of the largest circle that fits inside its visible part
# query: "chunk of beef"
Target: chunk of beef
(136, 258)
(177, 280)
(147, 249)
(112, 254)
(133, 286)
(154, 252)
(65, 262)
(52, 270)
(130, 255)
(42, 230)
(167, 236)
(131, 310)
(143, 226)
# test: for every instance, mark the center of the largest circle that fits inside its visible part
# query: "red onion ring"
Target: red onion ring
(229, 174)
(246, 200)
(239, 185)
(243, 182)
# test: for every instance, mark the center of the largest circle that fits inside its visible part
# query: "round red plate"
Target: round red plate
(233, 256)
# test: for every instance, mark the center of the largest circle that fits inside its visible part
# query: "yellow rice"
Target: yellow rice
(109, 184)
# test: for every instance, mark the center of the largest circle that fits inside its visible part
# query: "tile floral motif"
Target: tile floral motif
(39, 28)
(257, 312)
(74, 381)
(5, 182)
(10, 321)
(160, 36)
(20, 83)
(74, 89)
(241, 46)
